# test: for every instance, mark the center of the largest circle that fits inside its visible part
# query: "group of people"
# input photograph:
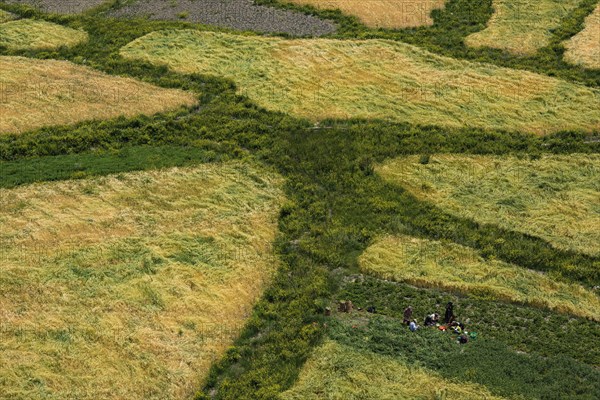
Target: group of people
(434, 320)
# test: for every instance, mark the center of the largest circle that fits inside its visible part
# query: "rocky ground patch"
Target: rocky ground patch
(236, 14)
(60, 6)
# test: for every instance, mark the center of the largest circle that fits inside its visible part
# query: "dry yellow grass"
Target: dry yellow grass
(390, 14)
(38, 93)
(27, 34)
(556, 197)
(456, 268)
(584, 48)
(129, 286)
(322, 78)
(336, 371)
(522, 26)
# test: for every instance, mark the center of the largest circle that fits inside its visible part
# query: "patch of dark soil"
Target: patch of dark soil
(235, 14)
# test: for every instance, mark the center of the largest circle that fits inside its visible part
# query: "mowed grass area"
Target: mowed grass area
(322, 78)
(337, 371)
(456, 268)
(29, 34)
(38, 93)
(522, 26)
(584, 48)
(554, 197)
(390, 14)
(129, 286)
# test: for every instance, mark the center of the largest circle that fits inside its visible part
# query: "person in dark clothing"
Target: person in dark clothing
(431, 319)
(449, 316)
(407, 315)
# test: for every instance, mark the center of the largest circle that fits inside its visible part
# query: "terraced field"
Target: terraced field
(554, 197)
(521, 26)
(321, 79)
(27, 34)
(129, 286)
(390, 14)
(456, 268)
(38, 93)
(584, 48)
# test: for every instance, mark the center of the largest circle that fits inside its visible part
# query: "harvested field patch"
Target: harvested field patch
(336, 371)
(522, 26)
(60, 6)
(555, 197)
(129, 286)
(321, 78)
(390, 14)
(584, 48)
(38, 93)
(449, 266)
(236, 14)
(28, 34)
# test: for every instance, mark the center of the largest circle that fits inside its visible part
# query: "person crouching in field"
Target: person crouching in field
(432, 319)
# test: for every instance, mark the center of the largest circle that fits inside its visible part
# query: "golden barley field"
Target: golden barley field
(39, 93)
(129, 286)
(555, 197)
(337, 371)
(322, 78)
(390, 14)
(456, 268)
(522, 26)
(5, 16)
(28, 34)
(584, 48)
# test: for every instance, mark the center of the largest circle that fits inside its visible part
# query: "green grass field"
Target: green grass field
(320, 79)
(28, 34)
(554, 197)
(522, 27)
(131, 285)
(455, 268)
(336, 371)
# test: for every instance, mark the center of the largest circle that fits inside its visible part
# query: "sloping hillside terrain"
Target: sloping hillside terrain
(288, 199)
